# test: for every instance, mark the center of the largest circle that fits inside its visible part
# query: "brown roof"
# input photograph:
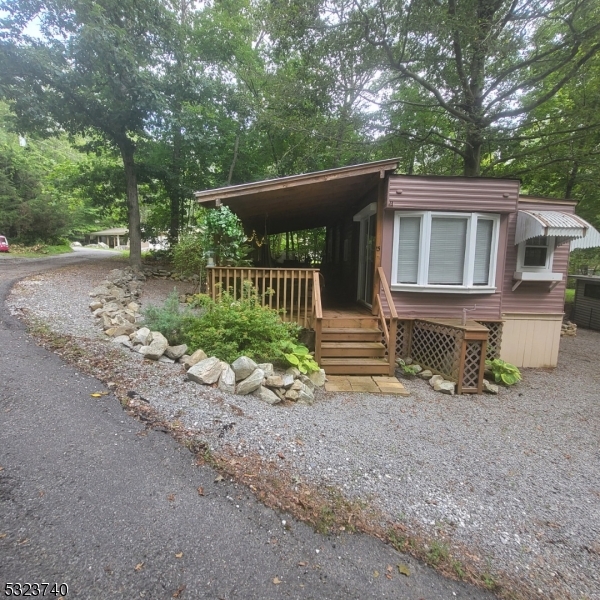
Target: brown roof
(299, 201)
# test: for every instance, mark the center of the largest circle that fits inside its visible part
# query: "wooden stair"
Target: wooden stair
(353, 347)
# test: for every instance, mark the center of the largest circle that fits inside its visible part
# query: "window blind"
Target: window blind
(447, 251)
(483, 251)
(408, 249)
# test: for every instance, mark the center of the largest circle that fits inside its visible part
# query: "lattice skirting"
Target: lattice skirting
(494, 338)
(438, 347)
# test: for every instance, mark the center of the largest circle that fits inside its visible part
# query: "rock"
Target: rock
(435, 379)
(106, 321)
(280, 392)
(175, 352)
(206, 371)
(183, 358)
(306, 396)
(243, 367)
(134, 307)
(101, 290)
(292, 395)
(446, 387)
(266, 395)
(306, 381)
(267, 368)
(297, 385)
(400, 362)
(165, 359)
(294, 372)
(490, 388)
(408, 360)
(142, 336)
(227, 379)
(121, 330)
(156, 348)
(318, 378)
(426, 374)
(194, 359)
(250, 383)
(95, 305)
(417, 369)
(123, 339)
(274, 381)
(288, 380)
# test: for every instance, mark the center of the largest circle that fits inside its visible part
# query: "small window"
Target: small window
(535, 254)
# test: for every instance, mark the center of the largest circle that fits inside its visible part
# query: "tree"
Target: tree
(478, 65)
(94, 67)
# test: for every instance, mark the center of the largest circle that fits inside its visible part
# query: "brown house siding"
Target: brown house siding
(535, 297)
(408, 192)
(449, 194)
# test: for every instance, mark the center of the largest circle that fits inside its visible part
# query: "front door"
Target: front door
(366, 260)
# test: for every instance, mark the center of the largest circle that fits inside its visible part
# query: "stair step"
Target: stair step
(348, 349)
(358, 322)
(350, 334)
(355, 366)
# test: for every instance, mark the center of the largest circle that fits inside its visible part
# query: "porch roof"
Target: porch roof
(299, 201)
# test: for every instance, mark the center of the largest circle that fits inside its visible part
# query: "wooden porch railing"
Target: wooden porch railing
(317, 315)
(388, 334)
(291, 291)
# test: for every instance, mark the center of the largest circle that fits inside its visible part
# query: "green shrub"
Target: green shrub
(298, 356)
(170, 319)
(503, 372)
(232, 327)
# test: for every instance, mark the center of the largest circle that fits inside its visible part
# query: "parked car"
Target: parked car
(3, 244)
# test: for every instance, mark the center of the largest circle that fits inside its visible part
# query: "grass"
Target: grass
(38, 250)
(569, 296)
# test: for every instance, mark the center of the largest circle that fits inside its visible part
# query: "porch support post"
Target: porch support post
(381, 199)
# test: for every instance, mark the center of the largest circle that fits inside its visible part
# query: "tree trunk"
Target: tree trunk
(127, 149)
(472, 158)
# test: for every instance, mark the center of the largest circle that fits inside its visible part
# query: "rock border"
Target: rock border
(115, 306)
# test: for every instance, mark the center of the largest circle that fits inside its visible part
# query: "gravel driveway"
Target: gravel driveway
(510, 483)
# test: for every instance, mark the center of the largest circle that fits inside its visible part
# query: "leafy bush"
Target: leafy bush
(232, 327)
(298, 356)
(409, 370)
(503, 372)
(170, 319)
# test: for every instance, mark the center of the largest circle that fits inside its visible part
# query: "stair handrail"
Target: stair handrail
(317, 315)
(390, 335)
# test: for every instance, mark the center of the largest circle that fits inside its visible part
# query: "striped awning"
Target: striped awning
(564, 227)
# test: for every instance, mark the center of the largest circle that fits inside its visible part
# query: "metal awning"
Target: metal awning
(564, 227)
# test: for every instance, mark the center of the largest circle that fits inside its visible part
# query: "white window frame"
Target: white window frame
(547, 268)
(467, 286)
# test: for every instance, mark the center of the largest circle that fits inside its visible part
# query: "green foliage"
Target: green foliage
(408, 370)
(231, 327)
(189, 254)
(224, 236)
(298, 356)
(503, 372)
(170, 319)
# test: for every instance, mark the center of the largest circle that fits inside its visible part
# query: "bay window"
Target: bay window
(443, 251)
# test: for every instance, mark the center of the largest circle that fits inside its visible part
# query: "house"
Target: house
(448, 270)
(114, 238)
(586, 308)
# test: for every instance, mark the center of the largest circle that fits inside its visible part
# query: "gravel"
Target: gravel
(511, 482)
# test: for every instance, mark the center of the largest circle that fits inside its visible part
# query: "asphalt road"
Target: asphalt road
(87, 499)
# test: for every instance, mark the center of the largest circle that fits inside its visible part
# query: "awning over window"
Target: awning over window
(551, 223)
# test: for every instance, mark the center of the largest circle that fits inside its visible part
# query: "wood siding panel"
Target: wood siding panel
(534, 296)
(468, 194)
(586, 312)
(530, 340)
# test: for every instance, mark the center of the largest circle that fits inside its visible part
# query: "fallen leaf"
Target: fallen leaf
(404, 569)
(389, 568)
(342, 528)
(219, 478)
(200, 491)
(99, 394)
(375, 573)
(276, 580)
(171, 497)
(41, 493)
(1, 468)
(388, 576)
(281, 455)
(179, 555)
(177, 593)
(300, 564)
(139, 567)
(3, 535)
